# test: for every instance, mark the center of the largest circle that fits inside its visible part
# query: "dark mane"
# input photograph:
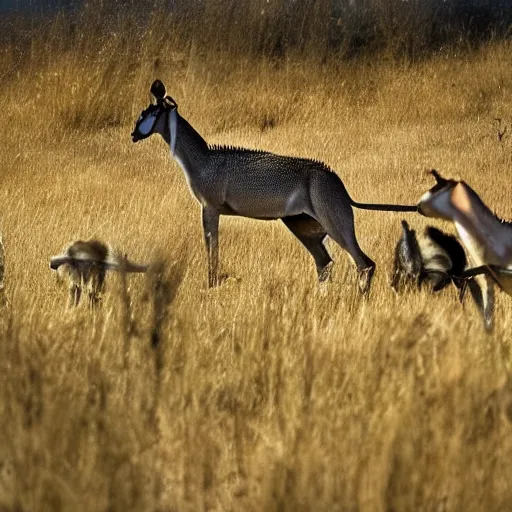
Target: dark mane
(97, 250)
(241, 151)
(479, 200)
(501, 220)
(235, 149)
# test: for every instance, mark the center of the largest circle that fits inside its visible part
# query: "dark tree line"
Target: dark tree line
(409, 29)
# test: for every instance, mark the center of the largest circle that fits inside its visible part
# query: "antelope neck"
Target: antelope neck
(483, 233)
(186, 145)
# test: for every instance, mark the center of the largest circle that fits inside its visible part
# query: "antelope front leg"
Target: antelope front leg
(482, 291)
(211, 239)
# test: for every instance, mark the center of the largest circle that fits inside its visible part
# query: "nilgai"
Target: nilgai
(486, 237)
(435, 258)
(306, 195)
(84, 265)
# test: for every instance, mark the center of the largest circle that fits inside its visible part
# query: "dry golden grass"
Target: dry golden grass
(269, 392)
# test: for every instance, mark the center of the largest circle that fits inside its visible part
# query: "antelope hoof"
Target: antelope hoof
(488, 324)
(215, 281)
(325, 273)
(365, 279)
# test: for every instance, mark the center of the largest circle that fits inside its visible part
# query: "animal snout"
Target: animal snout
(425, 208)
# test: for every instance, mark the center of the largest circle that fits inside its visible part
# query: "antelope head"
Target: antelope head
(438, 201)
(154, 119)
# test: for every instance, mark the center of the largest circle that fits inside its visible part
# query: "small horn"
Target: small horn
(439, 179)
(158, 90)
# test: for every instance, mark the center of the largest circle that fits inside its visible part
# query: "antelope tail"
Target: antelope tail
(384, 207)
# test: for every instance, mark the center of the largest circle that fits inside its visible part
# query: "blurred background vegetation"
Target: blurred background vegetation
(399, 29)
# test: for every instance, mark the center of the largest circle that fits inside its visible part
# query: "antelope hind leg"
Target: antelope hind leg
(311, 235)
(331, 207)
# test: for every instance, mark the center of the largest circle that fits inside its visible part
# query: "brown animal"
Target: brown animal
(84, 265)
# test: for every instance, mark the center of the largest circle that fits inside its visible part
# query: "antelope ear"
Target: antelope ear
(439, 179)
(169, 102)
(158, 90)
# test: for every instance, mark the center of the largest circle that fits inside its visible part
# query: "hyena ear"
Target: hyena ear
(439, 179)
(158, 90)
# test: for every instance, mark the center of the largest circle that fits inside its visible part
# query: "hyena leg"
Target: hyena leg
(95, 288)
(332, 209)
(311, 235)
(397, 274)
(75, 293)
(211, 239)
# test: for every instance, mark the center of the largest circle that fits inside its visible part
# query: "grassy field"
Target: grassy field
(270, 392)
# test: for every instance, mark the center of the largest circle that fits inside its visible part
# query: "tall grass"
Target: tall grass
(269, 392)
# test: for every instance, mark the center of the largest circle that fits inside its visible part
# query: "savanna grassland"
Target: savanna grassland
(269, 392)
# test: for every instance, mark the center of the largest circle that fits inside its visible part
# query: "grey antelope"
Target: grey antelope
(84, 265)
(306, 195)
(434, 258)
(487, 239)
